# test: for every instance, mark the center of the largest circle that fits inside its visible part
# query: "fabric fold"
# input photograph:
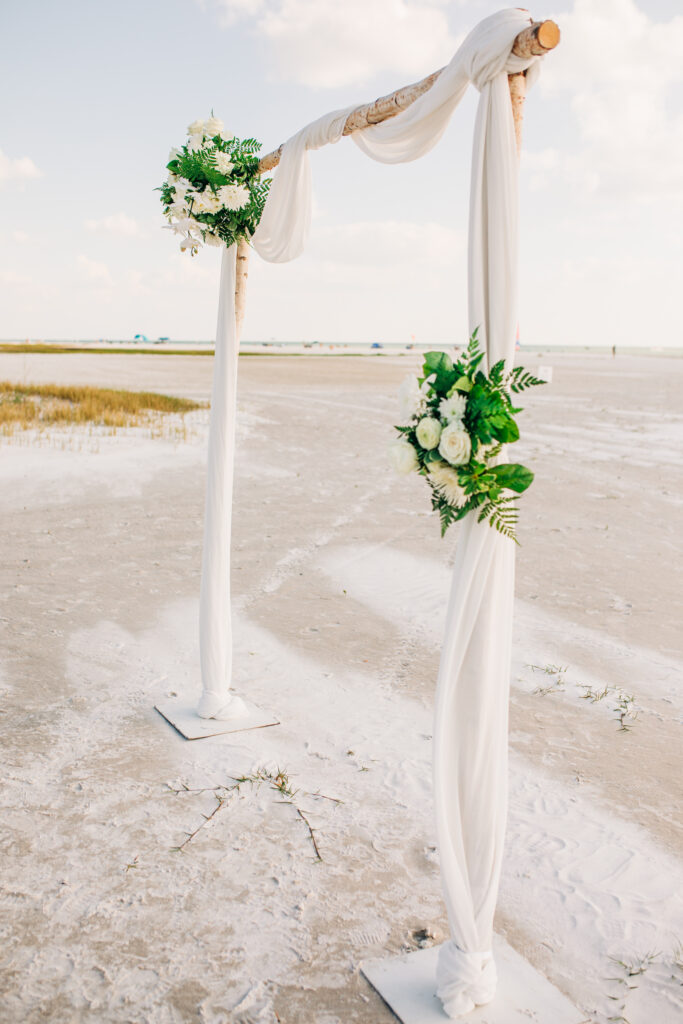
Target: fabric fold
(464, 980)
(285, 224)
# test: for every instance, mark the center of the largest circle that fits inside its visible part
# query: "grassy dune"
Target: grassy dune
(26, 406)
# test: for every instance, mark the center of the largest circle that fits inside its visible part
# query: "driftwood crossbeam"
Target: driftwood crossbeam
(536, 40)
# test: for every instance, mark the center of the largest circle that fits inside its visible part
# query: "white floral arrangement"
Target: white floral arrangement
(455, 421)
(213, 194)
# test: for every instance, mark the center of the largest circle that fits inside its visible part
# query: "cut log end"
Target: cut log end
(537, 39)
(548, 35)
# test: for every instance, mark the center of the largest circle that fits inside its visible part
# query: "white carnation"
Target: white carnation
(234, 197)
(213, 126)
(403, 457)
(453, 408)
(428, 432)
(223, 163)
(195, 142)
(412, 399)
(445, 481)
(455, 445)
(196, 128)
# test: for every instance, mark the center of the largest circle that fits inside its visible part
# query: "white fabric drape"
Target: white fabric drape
(215, 627)
(471, 708)
(282, 234)
(471, 715)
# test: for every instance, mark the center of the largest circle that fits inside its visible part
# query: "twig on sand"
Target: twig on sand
(220, 801)
(311, 831)
(278, 781)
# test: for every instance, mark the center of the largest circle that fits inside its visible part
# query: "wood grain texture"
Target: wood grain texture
(517, 85)
(241, 275)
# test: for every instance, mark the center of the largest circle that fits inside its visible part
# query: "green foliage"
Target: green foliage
(519, 380)
(502, 515)
(448, 514)
(488, 489)
(513, 476)
(440, 364)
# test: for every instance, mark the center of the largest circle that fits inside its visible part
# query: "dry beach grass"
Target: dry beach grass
(24, 406)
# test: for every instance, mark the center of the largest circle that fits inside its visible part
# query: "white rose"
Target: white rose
(214, 126)
(412, 399)
(223, 163)
(403, 457)
(455, 445)
(428, 432)
(196, 128)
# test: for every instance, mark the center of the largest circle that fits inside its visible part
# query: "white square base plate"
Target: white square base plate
(408, 985)
(184, 718)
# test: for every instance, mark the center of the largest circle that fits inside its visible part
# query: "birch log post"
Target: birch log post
(517, 85)
(241, 275)
(536, 40)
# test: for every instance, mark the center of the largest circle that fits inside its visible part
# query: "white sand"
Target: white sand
(340, 581)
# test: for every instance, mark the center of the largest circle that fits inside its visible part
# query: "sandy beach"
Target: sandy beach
(340, 581)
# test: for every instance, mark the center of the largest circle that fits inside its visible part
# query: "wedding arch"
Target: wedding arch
(501, 58)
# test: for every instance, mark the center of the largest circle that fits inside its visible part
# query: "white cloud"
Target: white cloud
(94, 272)
(622, 73)
(328, 43)
(119, 224)
(368, 246)
(376, 280)
(14, 280)
(20, 168)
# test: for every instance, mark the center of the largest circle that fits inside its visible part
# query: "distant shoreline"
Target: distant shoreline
(327, 349)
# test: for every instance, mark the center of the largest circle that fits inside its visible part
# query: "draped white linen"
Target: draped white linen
(215, 627)
(471, 714)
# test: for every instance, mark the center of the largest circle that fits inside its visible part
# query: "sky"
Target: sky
(93, 95)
